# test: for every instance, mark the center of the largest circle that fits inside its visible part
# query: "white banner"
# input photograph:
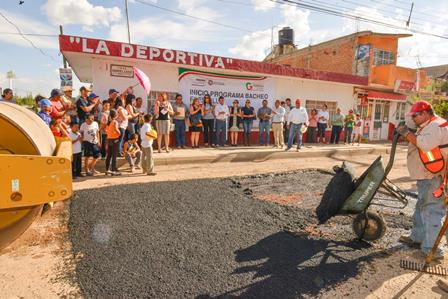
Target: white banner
(196, 84)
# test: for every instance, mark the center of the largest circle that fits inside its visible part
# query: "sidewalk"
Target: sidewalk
(260, 153)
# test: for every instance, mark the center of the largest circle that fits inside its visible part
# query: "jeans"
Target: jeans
(321, 130)
(179, 131)
(147, 160)
(285, 132)
(296, 129)
(209, 130)
(247, 127)
(133, 161)
(121, 138)
(310, 136)
(428, 216)
(348, 134)
(112, 152)
(264, 126)
(335, 134)
(221, 127)
(76, 164)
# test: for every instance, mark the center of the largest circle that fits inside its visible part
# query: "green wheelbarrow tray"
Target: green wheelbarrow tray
(369, 225)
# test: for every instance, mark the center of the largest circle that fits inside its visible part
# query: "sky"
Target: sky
(247, 29)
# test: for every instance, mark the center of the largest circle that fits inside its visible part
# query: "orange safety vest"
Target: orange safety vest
(432, 160)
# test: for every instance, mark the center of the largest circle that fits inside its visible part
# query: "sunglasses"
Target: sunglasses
(417, 114)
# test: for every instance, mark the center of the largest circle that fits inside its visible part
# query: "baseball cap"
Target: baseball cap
(44, 103)
(113, 90)
(67, 88)
(56, 92)
(419, 106)
(92, 95)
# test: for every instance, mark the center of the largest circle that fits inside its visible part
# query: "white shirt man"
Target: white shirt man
(278, 117)
(222, 111)
(297, 118)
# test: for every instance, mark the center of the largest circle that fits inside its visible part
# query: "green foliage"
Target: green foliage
(441, 108)
(27, 100)
(444, 86)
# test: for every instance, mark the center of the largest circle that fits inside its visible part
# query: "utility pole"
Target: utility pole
(410, 13)
(10, 75)
(61, 30)
(127, 20)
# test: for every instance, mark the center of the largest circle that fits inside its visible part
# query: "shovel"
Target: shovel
(416, 266)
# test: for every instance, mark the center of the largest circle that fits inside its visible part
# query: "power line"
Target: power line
(354, 17)
(192, 17)
(29, 34)
(26, 38)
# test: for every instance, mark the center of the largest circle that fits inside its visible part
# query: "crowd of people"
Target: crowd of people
(120, 126)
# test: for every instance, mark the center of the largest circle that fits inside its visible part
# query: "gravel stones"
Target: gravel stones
(210, 239)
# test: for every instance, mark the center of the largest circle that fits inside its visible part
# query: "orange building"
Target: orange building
(383, 101)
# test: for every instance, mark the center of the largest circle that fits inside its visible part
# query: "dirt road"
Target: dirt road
(41, 264)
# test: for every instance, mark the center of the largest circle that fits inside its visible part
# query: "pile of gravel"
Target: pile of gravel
(202, 239)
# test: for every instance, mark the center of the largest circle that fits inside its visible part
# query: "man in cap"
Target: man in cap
(427, 152)
(297, 118)
(83, 105)
(45, 110)
(67, 100)
(57, 108)
(113, 94)
(8, 96)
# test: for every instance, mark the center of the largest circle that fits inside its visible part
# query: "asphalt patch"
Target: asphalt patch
(210, 238)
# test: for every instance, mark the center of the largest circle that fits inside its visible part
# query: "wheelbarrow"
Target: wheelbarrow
(345, 195)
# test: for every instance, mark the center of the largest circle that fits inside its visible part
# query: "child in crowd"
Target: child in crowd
(357, 131)
(132, 152)
(103, 124)
(113, 142)
(91, 144)
(76, 138)
(147, 135)
(57, 129)
(45, 109)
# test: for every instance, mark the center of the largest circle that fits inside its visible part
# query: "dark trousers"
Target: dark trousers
(209, 130)
(112, 152)
(348, 134)
(310, 134)
(221, 132)
(103, 145)
(76, 164)
(179, 131)
(335, 134)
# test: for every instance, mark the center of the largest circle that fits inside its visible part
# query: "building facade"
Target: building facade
(382, 102)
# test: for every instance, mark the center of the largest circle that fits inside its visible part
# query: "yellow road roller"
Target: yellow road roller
(35, 169)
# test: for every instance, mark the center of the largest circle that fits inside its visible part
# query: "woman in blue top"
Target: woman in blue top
(196, 112)
(208, 121)
(248, 115)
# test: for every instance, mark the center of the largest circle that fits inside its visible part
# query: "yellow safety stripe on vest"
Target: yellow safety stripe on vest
(430, 156)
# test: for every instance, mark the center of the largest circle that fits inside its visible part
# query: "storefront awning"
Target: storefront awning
(380, 95)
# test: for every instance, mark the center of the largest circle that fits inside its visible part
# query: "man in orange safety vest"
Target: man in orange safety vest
(427, 152)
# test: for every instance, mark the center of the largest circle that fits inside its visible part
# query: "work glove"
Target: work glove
(403, 130)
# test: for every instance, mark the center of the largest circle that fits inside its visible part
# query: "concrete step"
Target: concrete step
(255, 154)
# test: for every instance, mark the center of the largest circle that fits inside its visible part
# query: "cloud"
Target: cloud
(198, 8)
(258, 44)
(178, 29)
(263, 5)
(27, 25)
(80, 12)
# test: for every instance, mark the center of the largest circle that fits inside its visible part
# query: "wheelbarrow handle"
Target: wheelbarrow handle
(393, 150)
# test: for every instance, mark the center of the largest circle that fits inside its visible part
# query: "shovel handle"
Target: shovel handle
(442, 231)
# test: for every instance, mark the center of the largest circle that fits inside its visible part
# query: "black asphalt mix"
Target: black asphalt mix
(210, 238)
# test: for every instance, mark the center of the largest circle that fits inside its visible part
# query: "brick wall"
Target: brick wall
(331, 57)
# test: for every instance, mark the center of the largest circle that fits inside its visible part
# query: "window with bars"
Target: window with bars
(401, 110)
(311, 104)
(381, 57)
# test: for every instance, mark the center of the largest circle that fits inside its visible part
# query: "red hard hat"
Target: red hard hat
(419, 106)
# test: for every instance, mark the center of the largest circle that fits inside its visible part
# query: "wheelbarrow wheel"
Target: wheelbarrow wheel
(375, 229)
